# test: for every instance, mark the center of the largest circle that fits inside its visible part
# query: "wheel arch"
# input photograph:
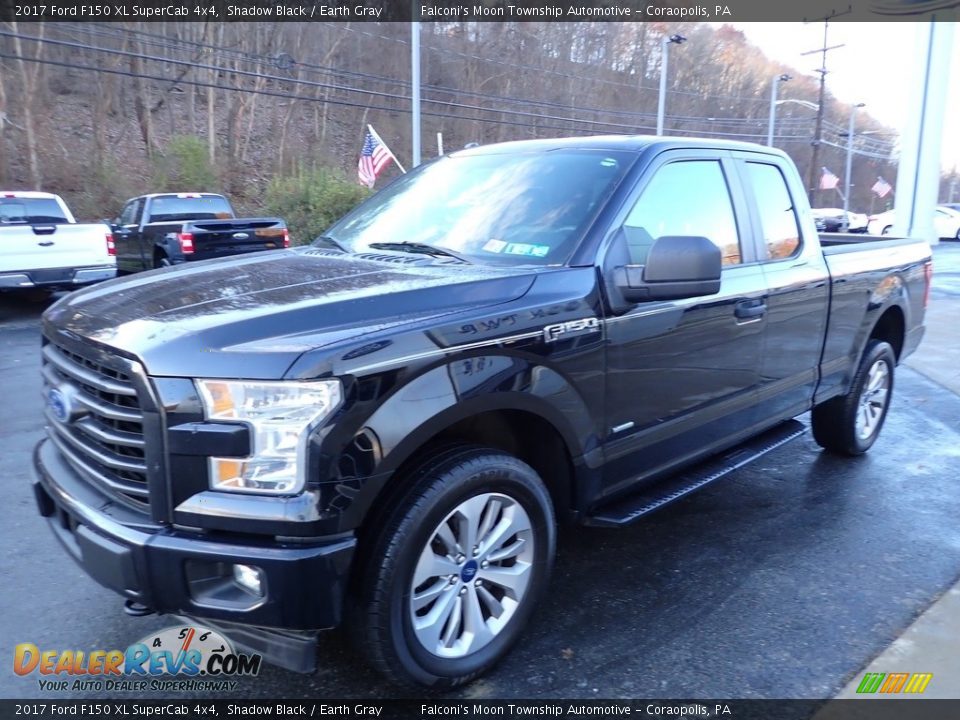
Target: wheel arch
(891, 327)
(431, 412)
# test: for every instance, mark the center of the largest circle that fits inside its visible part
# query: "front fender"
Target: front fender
(434, 401)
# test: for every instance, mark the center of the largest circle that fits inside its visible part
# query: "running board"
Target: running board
(634, 507)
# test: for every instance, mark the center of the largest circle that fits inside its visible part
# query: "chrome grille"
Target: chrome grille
(103, 438)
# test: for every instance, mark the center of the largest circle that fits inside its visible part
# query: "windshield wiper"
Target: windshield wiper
(416, 247)
(330, 241)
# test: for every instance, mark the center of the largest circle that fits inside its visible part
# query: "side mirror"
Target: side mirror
(678, 266)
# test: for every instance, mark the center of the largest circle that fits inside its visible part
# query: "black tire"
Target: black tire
(382, 623)
(887, 230)
(835, 421)
(160, 260)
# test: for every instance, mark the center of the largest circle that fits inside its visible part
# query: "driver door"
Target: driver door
(682, 375)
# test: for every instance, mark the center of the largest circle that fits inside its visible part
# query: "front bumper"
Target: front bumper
(56, 277)
(174, 571)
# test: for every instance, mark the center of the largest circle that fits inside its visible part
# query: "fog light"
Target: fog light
(250, 578)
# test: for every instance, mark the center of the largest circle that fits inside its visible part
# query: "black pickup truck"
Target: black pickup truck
(164, 229)
(382, 429)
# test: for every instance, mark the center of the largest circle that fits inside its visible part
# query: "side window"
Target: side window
(126, 217)
(688, 197)
(778, 218)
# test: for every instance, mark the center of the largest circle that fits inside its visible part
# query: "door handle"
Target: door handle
(46, 243)
(750, 309)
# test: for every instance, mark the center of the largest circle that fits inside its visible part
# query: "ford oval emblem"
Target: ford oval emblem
(240, 236)
(59, 405)
(469, 571)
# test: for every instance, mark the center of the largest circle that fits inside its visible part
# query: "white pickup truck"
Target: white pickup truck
(43, 247)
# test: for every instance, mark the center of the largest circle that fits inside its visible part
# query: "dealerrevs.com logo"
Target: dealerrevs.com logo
(183, 657)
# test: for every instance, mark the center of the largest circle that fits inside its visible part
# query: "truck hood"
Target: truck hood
(252, 316)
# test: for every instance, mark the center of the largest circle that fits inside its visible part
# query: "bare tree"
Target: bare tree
(30, 91)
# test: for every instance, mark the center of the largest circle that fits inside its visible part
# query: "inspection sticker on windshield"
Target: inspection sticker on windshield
(526, 249)
(495, 246)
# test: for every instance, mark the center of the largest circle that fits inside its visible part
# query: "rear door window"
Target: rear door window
(778, 216)
(129, 214)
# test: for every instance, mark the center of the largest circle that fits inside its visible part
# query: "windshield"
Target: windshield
(31, 211)
(172, 208)
(512, 209)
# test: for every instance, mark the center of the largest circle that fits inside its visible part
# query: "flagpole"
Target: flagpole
(415, 87)
(380, 140)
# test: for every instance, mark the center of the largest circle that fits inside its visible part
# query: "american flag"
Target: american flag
(828, 181)
(373, 158)
(881, 188)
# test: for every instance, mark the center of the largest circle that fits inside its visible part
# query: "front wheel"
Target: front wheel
(851, 423)
(452, 579)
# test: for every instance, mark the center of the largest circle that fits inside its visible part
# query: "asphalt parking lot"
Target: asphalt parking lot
(781, 581)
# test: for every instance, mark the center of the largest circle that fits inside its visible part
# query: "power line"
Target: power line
(272, 93)
(374, 93)
(178, 44)
(570, 121)
(320, 69)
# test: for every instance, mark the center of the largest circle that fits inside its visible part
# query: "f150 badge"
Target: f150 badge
(552, 333)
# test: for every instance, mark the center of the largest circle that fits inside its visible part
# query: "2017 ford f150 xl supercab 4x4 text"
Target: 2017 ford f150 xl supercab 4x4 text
(382, 429)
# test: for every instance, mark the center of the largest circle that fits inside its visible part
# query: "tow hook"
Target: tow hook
(135, 609)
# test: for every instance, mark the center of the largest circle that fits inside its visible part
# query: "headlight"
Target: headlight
(281, 416)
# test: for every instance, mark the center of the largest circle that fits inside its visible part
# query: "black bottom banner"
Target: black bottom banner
(865, 709)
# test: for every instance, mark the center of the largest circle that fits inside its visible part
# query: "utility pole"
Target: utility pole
(773, 105)
(818, 131)
(664, 57)
(846, 185)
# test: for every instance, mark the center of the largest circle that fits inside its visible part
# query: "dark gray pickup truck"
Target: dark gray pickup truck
(382, 429)
(163, 229)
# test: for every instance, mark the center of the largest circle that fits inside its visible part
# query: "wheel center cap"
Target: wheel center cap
(468, 571)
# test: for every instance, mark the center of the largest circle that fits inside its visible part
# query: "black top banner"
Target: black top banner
(476, 10)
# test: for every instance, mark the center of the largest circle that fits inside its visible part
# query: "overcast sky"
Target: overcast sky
(877, 66)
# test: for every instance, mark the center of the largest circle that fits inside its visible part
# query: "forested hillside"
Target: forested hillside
(100, 112)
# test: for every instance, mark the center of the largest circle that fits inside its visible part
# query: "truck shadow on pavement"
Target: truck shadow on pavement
(25, 307)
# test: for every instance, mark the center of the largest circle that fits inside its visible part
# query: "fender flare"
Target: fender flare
(434, 401)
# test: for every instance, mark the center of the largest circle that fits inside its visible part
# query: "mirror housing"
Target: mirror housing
(678, 266)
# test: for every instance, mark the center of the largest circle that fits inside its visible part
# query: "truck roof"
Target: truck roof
(34, 194)
(634, 143)
(182, 194)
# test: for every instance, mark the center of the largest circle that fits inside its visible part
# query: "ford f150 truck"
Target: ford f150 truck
(42, 246)
(158, 230)
(382, 429)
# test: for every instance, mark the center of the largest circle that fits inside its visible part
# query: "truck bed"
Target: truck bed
(838, 243)
(864, 272)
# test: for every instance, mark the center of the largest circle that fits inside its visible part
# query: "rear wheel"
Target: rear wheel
(887, 230)
(452, 579)
(851, 423)
(160, 260)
